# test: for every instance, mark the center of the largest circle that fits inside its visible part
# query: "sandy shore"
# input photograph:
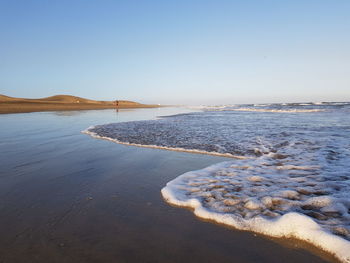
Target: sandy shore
(62, 103)
(66, 197)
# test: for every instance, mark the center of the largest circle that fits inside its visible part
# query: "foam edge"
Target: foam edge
(290, 225)
(228, 155)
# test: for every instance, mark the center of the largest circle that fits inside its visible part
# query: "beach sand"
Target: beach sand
(62, 103)
(66, 197)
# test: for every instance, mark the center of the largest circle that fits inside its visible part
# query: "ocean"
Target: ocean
(289, 175)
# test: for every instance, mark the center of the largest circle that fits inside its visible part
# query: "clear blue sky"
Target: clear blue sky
(191, 52)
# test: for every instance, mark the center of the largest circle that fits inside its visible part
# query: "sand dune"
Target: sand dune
(61, 102)
(4, 98)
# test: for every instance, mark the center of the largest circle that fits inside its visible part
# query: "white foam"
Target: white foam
(295, 167)
(258, 108)
(319, 201)
(256, 178)
(277, 110)
(176, 149)
(254, 203)
(274, 107)
(289, 194)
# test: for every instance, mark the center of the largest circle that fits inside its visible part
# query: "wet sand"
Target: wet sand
(66, 197)
(22, 107)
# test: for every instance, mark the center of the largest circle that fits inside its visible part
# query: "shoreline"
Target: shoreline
(225, 155)
(290, 242)
(14, 107)
(316, 249)
(224, 220)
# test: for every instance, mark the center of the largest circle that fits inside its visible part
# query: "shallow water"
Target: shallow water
(293, 161)
(65, 197)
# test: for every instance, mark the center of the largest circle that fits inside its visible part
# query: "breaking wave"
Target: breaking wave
(277, 110)
(308, 107)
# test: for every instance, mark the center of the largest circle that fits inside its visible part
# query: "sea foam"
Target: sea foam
(274, 204)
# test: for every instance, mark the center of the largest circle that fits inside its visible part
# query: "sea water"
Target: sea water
(289, 176)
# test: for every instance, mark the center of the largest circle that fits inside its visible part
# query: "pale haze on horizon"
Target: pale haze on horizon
(177, 52)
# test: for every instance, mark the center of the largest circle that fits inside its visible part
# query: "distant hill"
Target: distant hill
(68, 99)
(6, 98)
(62, 99)
(61, 102)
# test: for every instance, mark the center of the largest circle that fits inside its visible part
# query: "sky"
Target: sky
(177, 52)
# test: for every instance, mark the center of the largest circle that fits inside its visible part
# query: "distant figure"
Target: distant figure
(117, 103)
